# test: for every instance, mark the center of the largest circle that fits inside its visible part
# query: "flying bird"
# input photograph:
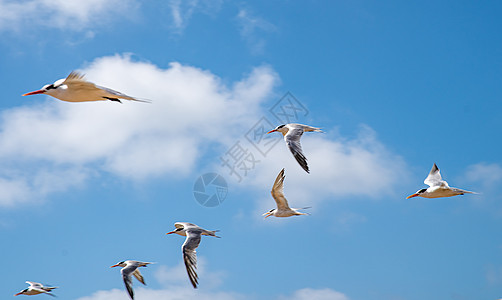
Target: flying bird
(437, 187)
(283, 210)
(193, 234)
(75, 88)
(130, 267)
(292, 134)
(36, 288)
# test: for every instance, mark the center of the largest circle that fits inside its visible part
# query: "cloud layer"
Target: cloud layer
(53, 145)
(340, 167)
(191, 109)
(63, 14)
(176, 286)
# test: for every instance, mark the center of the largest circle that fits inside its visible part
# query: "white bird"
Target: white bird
(75, 88)
(36, 288)
(292, 134)
(437, 187)
(193, 234)
(283, 209)
(130, 267)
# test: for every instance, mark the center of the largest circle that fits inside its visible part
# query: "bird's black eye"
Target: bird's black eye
(422, 191)
(50, 87)
(280, 126)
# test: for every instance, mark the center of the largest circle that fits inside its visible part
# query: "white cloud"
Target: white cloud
(192, 113)
(175, 286)
(253, 29)
(178, 293)
(63, 14)
(339, 167)
(177, 276)
(191, 110)
(25, 187)
(316, 294)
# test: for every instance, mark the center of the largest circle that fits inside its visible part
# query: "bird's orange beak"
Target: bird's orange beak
(267, 214)
(114, 266)
(411, 196)
(273, 130)
(34, 93)
(170, 232)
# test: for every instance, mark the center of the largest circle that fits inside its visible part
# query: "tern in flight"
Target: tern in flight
(193, 234)
(129, 268)
(283, 210)
(292, 134)
(437, 187)
(75, 88)
(36, 288)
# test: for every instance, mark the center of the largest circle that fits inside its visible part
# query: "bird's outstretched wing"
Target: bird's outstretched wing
(292, 139)
(114, 95)
(278, 191)
(434, 178)
(138, 276)
(40, 290)
(126, 276)
(189, 255)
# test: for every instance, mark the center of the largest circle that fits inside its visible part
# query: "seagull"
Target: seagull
(292, 134)
(130, 267)
(75, 88)
(437, 187)
(36, 288)
(193, 234)
(283, 210)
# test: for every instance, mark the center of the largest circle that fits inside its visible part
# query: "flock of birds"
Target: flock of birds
(75, 88)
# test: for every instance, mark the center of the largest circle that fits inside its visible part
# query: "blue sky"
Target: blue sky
(395, 85)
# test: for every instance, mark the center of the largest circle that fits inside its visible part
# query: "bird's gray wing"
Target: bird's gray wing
(461, 191)
(184, 225)
(292, 139)
(308, 128)
(126, 276)
(278, 191)
(40, 290)
(189, 255)
(138, 276)
(434, 178)
(113, 94)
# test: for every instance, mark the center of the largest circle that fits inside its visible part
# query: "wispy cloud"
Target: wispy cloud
(190, 110)
(317, 294)
(181, 11)
(487, 175)
(62, 14)
(252, 30)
